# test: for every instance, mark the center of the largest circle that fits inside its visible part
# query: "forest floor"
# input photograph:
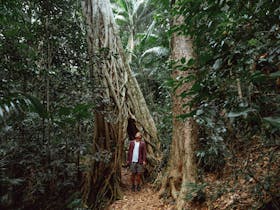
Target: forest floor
(249, 180)
(146, 199)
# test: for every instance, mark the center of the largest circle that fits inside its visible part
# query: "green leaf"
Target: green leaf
(183, 95)
(275, 74)
(37, 106)
(199, 112)
(258, 76)
(217, 64)
(1, 112)
(241, 113)
(253, 42)
(75, 204)
(274, 121)
(187, 115)
(13, 182)
(191, 62)
(205, 57)
(183, 60)
(81, 111)
(64, 111)
(195, 88)
(170, 82)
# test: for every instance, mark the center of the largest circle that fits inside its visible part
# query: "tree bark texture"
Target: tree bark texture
(119, 100)
(181, 166)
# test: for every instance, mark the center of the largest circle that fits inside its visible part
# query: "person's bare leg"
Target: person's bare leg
(133, 181)
(138, 180)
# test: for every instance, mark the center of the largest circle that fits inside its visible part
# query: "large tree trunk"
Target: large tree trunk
(181, 167)
(119, 101)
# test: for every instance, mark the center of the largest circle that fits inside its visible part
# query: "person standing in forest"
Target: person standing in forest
(136, 160)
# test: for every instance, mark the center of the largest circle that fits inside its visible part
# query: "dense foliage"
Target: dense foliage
(45, 110)
(236, 82)
(46, 97)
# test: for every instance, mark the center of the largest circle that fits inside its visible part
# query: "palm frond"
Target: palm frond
(123, 4)
(121, 18)
(156, 51)
(144, 35)
(150, 29)
(137, 5)
(16, 103)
